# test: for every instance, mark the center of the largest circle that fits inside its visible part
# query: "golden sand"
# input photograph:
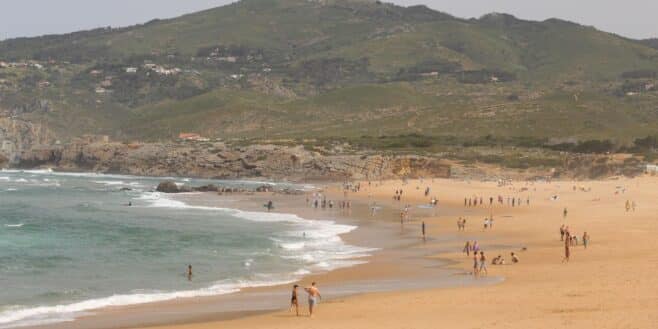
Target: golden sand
(608, 285)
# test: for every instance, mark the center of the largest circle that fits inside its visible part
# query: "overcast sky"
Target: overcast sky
(632, 18)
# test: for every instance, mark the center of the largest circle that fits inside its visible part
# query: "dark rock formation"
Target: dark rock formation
(168, 187)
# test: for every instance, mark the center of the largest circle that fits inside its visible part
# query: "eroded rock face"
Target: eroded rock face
(17, 136)
(217, 160)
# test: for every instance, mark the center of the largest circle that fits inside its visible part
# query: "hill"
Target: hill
(334, 68)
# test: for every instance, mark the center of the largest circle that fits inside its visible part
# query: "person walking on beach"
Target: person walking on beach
(423, 231)
(313, 297)
(294, 301)
(475, 247)
(476, 265)
(562, 232)
(467, 248)
(564, 213)
(483, 263)
(567, 246)
(585, 240)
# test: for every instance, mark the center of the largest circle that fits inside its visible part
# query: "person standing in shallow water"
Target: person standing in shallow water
(189, 272)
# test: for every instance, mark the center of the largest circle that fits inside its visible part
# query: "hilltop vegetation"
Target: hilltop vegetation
(331, 68)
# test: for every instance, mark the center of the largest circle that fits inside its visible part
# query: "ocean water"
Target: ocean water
(69, 244)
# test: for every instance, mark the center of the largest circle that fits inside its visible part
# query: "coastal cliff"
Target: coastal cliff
(18, 135)
(219, 160)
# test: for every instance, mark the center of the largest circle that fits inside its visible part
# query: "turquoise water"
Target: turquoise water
(70, 244)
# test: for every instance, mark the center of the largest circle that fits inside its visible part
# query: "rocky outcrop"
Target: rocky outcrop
(217, 160)
(18, 135)
(168, 187)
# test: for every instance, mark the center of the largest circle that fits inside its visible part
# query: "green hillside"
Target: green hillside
(300, 68)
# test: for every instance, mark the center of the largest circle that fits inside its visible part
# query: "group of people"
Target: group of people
(398, 195)
(471, 247)
(630, 205)
(499, 260)
(488, 223)
(479, 264)
(479, 201)
(571, 240)
(320, 201)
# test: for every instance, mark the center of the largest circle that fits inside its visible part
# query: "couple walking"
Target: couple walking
(313, 298)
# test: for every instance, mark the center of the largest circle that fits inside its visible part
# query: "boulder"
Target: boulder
(168, 187)
(207, 188)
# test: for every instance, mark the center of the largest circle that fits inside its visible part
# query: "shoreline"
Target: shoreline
(343, 282)
(604, 285)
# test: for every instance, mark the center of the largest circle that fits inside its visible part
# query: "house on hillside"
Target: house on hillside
(192, 137)
(44, 84)
(131, 70)
(3, 65)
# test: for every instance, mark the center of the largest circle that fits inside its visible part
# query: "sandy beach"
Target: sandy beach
(608, 285)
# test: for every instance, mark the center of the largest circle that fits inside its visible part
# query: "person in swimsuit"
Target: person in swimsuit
(313, 297)
(294, 301)
(476, 265)
(483, 263)
(189, 272)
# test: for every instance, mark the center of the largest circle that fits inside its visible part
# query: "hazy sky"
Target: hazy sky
(632, 18)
